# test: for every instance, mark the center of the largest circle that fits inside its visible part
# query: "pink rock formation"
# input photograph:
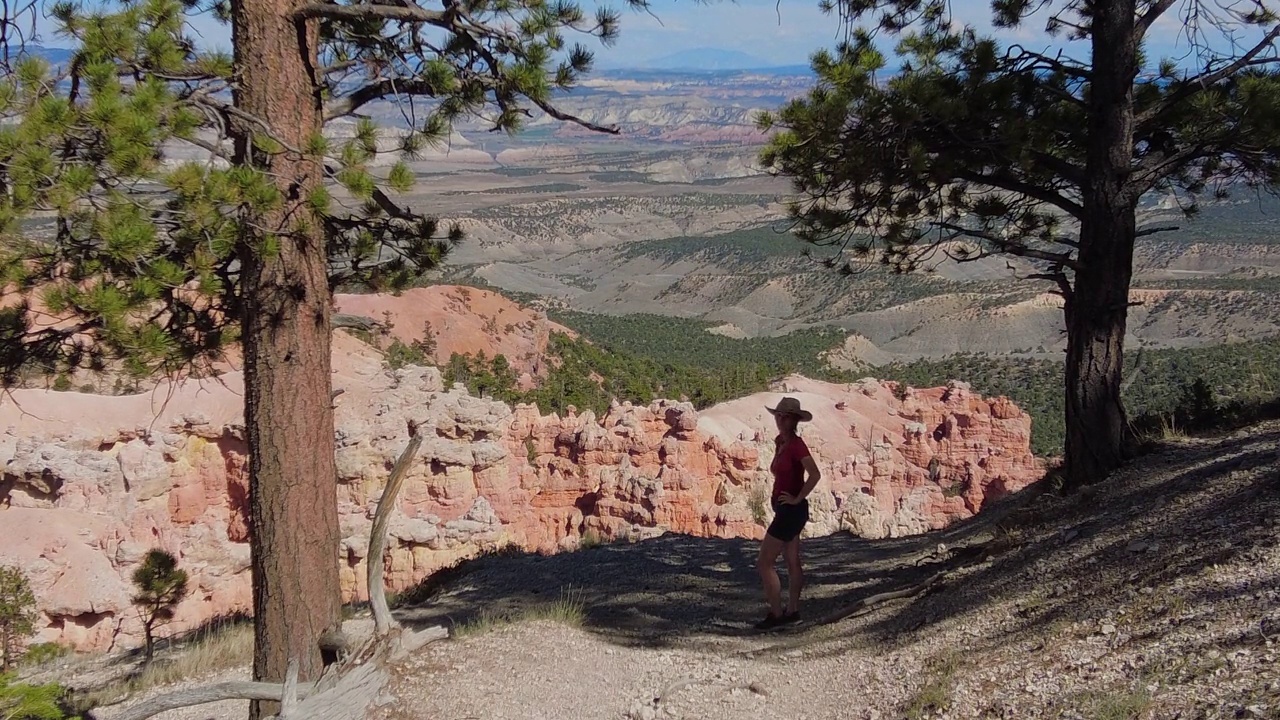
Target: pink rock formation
(463, 320)
(91, 483)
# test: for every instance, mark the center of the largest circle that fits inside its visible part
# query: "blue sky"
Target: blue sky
(783, 32)
(788, 31)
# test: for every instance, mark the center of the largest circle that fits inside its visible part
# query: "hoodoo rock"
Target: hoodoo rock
(90, 483)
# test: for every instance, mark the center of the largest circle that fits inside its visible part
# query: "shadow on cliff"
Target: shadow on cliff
(1175, 512)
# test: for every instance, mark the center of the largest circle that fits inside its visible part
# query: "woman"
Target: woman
(790, 502)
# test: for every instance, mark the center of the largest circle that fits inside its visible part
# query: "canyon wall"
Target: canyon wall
(90, 483)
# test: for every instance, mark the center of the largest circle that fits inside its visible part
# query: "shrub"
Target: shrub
(590, 539)
(22, 701)
(17, 615)
(427, 344)
(41, 653)
(758, 501)
(400, 355)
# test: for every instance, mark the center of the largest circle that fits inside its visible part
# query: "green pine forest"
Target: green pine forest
(643, 357)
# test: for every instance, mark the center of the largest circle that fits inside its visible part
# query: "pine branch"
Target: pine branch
(1072, 71)
(1005, 181)
(408, 12)
(1147, 173)
(1153, 13)
(1065, 169)
(1011, 248)
(1058, 278)
(376, 90)
(559, 115)
(1194, 86)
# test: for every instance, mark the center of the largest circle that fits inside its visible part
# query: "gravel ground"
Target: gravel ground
(1153, 595)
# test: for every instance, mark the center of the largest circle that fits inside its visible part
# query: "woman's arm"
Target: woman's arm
(814, 476)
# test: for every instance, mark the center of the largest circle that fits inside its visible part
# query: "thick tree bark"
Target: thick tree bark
(288, 414)
(1098, 307)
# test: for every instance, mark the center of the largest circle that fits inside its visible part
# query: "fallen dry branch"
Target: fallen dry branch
(239, 690)
(355, 322)
(678, 687)
(289, 697)
(344, 695)
(873, 600)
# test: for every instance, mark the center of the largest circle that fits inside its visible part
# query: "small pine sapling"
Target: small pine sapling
(161, 586)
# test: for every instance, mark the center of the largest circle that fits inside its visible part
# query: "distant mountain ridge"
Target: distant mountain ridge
(706, 58)
(55, 56)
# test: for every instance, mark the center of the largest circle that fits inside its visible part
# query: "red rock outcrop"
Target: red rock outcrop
(462, 320)
(91, 483)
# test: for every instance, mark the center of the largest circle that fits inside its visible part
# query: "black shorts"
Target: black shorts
(788, 520)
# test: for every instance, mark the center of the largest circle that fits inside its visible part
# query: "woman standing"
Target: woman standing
(791, 460)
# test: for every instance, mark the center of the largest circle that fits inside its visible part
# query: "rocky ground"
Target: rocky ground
(1152, 595)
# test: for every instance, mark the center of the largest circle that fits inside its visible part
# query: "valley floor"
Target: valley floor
(1153, 595)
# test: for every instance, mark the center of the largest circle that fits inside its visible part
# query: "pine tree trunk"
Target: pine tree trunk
(150, 647)
(286, 338)
(1098, 307)
(1096, 317)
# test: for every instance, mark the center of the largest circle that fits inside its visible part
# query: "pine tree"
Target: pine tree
(156, 264)
(161, 586)
(975, 149)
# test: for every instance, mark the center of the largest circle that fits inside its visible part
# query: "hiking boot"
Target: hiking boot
(790, 618)
(769, 622)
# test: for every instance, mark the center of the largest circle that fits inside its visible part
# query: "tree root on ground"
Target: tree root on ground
(869, 602)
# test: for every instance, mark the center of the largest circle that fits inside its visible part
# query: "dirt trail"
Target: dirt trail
(1154, 596)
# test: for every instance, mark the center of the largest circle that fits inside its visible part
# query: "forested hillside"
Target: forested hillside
(642, 357)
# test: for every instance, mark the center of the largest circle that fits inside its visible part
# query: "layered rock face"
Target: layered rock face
(91, 483)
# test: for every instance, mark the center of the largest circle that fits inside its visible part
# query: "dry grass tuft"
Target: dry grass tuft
(569, 609)
(225, 648)
(935, 695)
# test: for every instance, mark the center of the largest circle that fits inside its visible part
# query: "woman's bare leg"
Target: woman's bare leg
(770, 549)
(795, 576)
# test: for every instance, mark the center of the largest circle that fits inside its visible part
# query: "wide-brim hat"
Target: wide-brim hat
(791, 406)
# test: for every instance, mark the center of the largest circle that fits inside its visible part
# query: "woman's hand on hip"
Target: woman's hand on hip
(789, 499)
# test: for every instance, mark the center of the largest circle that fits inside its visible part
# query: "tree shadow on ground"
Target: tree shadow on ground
(1072, 555)
(660, 589)
(1164, 520)
(667, 588)
(675, 587)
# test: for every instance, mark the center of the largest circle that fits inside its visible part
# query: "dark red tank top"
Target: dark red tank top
(788, 468)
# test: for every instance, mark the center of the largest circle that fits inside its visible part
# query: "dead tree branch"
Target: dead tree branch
(356, 322)
(240, 690)
(382, 620)
(873, 600)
